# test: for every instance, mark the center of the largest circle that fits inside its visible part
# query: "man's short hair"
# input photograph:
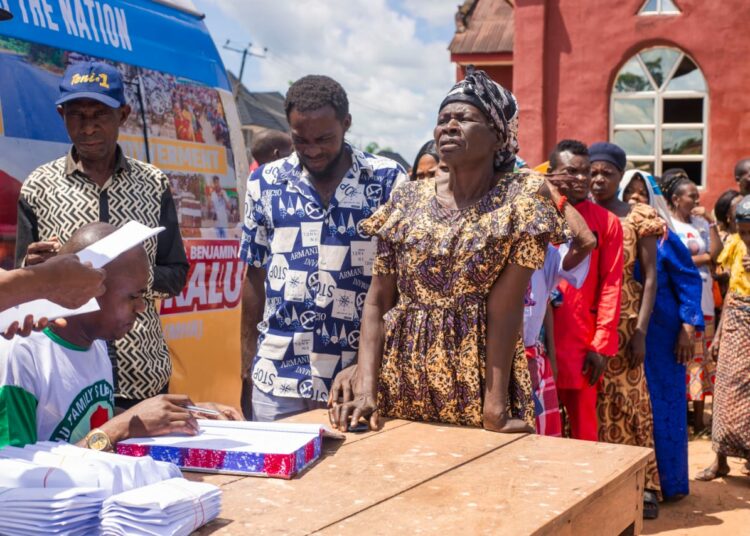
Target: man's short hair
(86, 235)
(265, 143)
(90, 233)
(313, 92)
(575, 147)
(739, 165)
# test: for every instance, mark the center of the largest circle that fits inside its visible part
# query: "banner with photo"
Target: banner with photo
(180, 126)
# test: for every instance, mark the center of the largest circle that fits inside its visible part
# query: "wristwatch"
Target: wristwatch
(97, 439)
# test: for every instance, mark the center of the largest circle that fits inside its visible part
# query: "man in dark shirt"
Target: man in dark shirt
(95, 181)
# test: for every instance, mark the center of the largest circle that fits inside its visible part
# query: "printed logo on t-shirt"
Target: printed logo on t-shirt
(91, 408)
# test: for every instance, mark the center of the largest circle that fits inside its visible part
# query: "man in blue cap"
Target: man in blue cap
(95, 181)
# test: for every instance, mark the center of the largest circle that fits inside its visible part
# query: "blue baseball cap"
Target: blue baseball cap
(92, 80)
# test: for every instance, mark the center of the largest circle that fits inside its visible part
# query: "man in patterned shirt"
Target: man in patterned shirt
(308, 267)
(95, 181)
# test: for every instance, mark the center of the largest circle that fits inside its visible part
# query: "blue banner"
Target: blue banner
(137, 32)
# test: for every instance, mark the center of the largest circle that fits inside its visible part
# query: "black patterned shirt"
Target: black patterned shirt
(58, 198)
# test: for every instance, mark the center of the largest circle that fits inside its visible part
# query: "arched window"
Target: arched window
(658, 113)
(659, 7)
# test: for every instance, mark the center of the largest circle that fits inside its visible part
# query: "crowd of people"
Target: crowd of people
(668, 267)
(581, 299)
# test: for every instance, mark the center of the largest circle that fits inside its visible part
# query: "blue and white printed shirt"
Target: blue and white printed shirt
(318, 269)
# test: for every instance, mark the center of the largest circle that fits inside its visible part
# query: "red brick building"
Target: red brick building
(666, 79)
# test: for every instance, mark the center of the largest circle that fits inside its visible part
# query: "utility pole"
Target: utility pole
(247, 51)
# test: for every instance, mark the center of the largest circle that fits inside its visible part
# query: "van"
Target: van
(184, 121)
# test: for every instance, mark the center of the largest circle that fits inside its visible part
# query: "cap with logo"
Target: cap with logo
(92, 80)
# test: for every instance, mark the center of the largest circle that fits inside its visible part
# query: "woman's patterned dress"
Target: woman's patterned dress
(446, 261)
(624, 405)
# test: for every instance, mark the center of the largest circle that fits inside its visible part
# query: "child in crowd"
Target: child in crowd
(57, 384)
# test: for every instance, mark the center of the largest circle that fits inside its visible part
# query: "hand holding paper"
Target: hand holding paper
(60, 272)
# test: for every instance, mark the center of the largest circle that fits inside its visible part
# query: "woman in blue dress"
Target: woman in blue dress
(670, 341)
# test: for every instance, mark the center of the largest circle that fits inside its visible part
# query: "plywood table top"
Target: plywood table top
(416, 477)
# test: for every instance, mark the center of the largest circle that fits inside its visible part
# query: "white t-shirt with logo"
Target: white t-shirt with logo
(696, 237)
(53, 390)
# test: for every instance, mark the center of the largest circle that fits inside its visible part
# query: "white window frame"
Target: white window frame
(659, 9)
(658, 127)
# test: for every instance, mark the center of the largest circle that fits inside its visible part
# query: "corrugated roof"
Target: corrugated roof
(260, 108)
(489, 28)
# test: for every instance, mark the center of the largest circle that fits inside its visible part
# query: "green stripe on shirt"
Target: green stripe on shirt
(17, 416)
(62, 342)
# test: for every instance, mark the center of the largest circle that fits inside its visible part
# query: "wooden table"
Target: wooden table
(424, 478)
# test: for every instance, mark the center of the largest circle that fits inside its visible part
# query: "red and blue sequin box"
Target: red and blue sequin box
(276, 450)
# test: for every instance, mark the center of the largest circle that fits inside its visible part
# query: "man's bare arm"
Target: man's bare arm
(253, 303)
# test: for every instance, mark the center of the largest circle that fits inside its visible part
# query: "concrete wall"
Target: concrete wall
(567, 53)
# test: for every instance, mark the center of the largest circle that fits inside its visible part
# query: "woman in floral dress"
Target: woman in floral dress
(440, 338)
(624, 402)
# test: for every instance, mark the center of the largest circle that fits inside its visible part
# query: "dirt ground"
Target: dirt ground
(718, 507)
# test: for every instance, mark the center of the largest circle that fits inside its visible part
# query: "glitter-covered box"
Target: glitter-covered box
(277, 450)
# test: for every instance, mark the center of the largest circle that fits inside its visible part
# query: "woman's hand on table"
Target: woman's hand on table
(341, 389)
(364, 405)
(348, 401)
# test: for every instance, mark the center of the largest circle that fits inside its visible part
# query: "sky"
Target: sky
(391, 57)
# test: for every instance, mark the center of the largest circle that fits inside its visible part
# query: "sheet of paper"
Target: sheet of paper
(273, 427)
(231, 440)
(98, 254)
(42, 309)
(108, 248)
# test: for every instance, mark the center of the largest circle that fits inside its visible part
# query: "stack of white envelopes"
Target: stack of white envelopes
(68, 466)
(54, 488)
(70, 511)
(169, 508)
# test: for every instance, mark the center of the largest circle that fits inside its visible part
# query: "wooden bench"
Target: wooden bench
(414, 478)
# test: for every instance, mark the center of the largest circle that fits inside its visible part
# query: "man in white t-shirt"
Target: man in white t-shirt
(57, 384)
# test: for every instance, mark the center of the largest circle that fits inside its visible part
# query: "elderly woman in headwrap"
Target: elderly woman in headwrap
(670, 337)
(441, 323)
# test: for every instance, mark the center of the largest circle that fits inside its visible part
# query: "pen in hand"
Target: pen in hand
(205, 411)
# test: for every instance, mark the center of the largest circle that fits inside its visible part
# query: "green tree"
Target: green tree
(374, 148)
